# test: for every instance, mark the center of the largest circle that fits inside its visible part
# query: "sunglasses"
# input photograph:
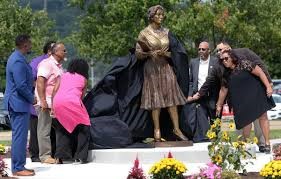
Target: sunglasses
(219, 50)
(225, 59)
(202, 49)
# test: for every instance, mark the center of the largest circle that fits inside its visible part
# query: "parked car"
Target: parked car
(275, 113)
(4, 115)
(272, 114)
(277, 89)
(276, 82)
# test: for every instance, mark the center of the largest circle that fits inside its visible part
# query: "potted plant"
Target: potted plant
(168, 168)
(273, 168)
(227, 151)
(136, 172)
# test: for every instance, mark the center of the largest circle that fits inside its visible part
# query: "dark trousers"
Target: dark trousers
(33, 139)
(19, 122)
(198, 120)
(72, 145)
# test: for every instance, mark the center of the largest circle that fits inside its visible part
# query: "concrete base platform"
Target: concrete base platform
(198, 153)
(116, 163)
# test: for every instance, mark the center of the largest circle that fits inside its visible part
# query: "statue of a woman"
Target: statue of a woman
(160, 86)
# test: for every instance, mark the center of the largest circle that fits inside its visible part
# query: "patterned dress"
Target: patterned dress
(160, 87)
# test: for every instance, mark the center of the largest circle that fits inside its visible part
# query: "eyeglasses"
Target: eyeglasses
(202, 49)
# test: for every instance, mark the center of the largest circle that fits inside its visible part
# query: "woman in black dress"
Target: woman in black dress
(249, 93)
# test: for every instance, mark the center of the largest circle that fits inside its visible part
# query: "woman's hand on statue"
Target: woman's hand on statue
(269, 91)
(189, 99)
(218, 109)
(196, 96)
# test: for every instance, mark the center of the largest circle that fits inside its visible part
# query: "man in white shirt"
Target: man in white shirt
(203, 110)
(48, 72)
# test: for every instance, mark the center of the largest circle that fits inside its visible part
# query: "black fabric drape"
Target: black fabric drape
(114, 103)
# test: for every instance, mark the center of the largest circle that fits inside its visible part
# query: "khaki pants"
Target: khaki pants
(258, 133)
(43, 133)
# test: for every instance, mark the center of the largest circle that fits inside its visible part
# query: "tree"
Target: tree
(109, 28)
(15, 20)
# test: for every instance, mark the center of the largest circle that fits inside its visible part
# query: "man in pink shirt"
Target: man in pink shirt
(48, 72)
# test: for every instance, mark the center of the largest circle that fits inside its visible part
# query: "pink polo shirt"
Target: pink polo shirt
(49, 69)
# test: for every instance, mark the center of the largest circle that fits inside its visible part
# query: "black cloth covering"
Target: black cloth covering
(114, 103)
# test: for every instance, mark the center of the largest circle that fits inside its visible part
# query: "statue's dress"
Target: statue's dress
(160, 86)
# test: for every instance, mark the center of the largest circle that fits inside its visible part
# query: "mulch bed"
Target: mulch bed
(6, 155)
(252, 175)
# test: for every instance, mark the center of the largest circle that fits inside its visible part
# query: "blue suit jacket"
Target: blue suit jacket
(19, 83)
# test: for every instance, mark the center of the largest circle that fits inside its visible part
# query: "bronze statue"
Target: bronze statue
(160, 87)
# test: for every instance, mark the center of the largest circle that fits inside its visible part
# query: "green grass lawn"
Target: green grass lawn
(6, 142)
(274, 134)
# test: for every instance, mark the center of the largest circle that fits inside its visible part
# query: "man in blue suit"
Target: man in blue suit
(17, 100)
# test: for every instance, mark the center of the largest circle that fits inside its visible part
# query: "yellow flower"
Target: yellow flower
(167, 166)
(210, 134)
(218, 158)
(213, 125)
(255, 140)
(235, 144)
(225, 135)
(231, 125)
(271, 169)
(217, 122)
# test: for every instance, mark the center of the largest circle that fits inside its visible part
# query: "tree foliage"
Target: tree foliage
(109, 28)
(15, 20)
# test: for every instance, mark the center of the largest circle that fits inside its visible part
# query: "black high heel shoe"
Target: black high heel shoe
(267, 149)
(179, 136)
(59, 161)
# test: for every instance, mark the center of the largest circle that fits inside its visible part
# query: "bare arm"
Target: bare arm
(40, 82)
(259, 73)
(84, 89)
(222, 96)
(56, 87)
